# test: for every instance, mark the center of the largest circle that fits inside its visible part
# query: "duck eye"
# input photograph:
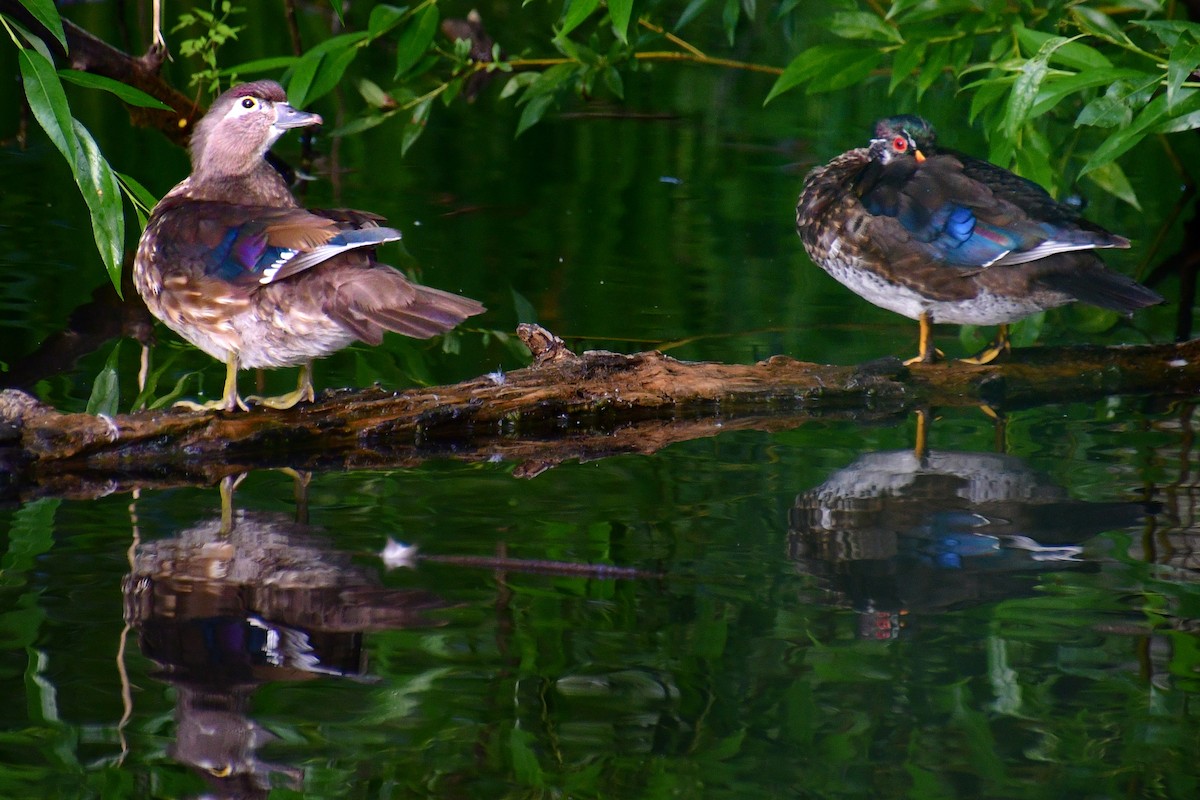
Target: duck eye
(249, 103)
(899, 144)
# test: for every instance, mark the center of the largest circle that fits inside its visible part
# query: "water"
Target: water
(816, 614)
(813, 612)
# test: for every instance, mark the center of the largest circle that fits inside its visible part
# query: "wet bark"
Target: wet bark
(564, 406)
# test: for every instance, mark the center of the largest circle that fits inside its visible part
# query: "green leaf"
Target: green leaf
(1056, 87)
(1089, 319)
(852, 71)
(987, 93)
(1185, 57)
(330, 72)
(612, 79)
(1115, 107)
(576, 12)
(550, 82)
(576, 51)
(143, 201)
(525, 310)
(1100, 25)
(95, 178)
(415, 39)
(48, 102)
(147, 395)
(383, 18)
(361, 124)
(690, 12)
(36, 42)
(826, 67)
(1126, 137)
(374, 95)
(1170, 32)
(45, 13)
(1112, 179)
(518, 81)
(936, 60)
(533, 112)
(1035, 160)
(726, 748)
(260, 65)
(337, 12)
(919, 10)
(863, 25)
(525, 766)
(1070, 53)
(106, 388)
(906, 61)
(302, 84)
(1028, 83)
(103, 196)
(127, 93)
(1184, 122)
(302, 77)
(453, 87)
(620, 12)
(729, 18)
(416, 125)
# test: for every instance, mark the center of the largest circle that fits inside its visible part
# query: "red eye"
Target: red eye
(899, 144)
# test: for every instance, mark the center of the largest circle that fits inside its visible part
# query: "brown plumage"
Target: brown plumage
(942, 237)
(232, 263)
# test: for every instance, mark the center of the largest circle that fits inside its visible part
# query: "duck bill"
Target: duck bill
(917, 154)
(287, 117)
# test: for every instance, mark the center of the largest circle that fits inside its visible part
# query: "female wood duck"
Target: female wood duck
(232, 263)
(942, 237)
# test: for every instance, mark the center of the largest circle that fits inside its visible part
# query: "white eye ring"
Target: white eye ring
(244, 106)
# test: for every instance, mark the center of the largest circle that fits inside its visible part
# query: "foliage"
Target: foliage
(1062, 89)
(47, 99)
(214, 31)
(604, 46)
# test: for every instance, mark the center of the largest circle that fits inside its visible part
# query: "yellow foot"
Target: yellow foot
(302, 395)
(990, 353)
(991, 412)
(211, 405)
(929, 358)
(304, 392)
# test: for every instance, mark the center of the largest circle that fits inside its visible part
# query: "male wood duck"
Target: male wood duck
(939, 236)
(232, 263)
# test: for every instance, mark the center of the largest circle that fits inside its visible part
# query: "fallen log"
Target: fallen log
(564, 406)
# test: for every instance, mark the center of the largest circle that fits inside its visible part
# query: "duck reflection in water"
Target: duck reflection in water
(904, 531)
(243, 599)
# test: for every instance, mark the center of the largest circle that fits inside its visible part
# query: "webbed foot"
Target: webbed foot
(303, 394)
(996, 348)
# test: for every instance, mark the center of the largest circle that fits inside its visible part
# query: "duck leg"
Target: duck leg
(997, 347)
(927, 353)
(304, 392)
(229, 398)
(921, 444)
(228, 485)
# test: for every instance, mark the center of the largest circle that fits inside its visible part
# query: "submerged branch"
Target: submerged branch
(565, 406)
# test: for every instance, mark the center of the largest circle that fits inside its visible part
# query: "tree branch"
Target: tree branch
(88, 53)
(564, 406)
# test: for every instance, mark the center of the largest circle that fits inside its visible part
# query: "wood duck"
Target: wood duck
(232, 263)
(939, 236)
